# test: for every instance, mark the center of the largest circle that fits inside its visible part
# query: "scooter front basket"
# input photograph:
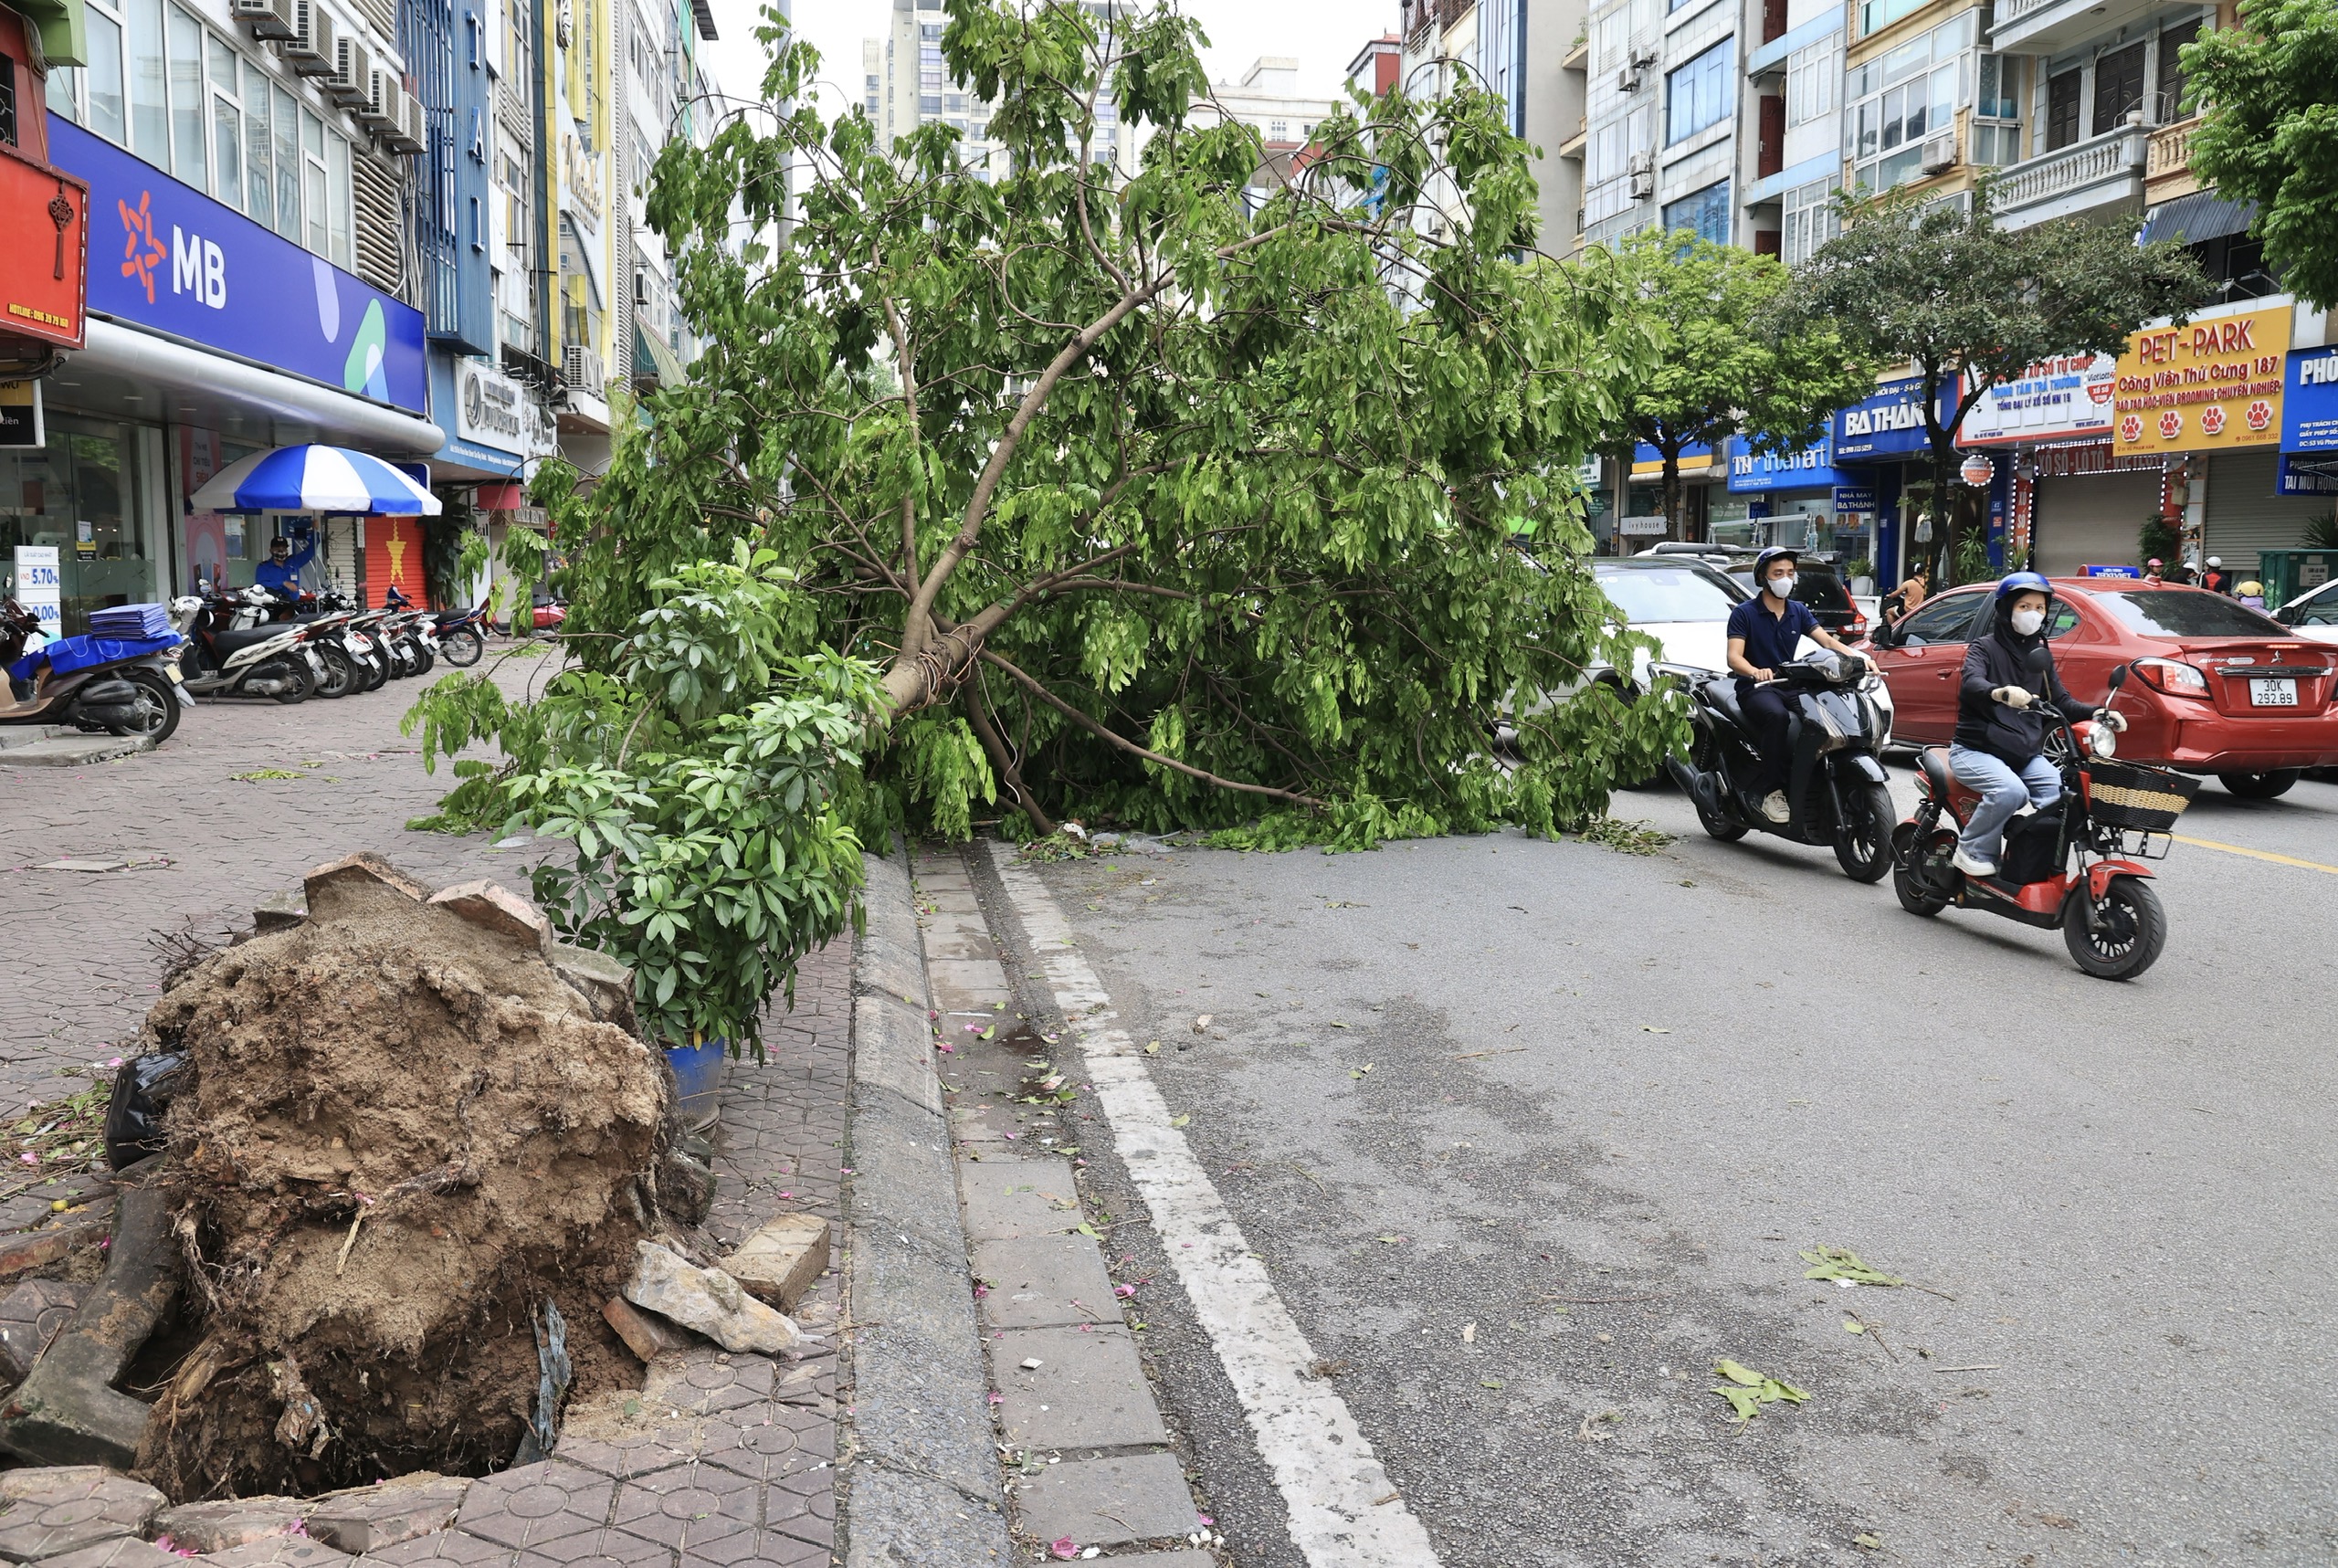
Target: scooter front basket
(2137, 799)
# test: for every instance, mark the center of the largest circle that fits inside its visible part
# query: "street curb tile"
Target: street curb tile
(1009, 1199)
(924, 1485)
(1110, 1502)
(1088, 1391)
(1044, 1281)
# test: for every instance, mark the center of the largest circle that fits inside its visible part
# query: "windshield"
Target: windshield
(1650, 594)
(2188, 613)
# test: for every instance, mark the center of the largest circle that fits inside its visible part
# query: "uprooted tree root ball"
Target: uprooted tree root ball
(406, 1131)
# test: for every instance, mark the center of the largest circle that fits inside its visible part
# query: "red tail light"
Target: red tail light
(2172, 676)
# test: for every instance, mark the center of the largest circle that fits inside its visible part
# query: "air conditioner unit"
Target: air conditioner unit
(1643, 59)
(1640, 164)
(352, 82)
(583, 368)
(381, 105)
(410, 127)
(1940, 154)
(268, 18)
(1643, 185)
(1628, 80)
(315, 52)
(641, 288)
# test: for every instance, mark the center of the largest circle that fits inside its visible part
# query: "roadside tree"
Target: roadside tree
(1730, 361)
(2268, 92)
(1964, 304)
(1169, 502)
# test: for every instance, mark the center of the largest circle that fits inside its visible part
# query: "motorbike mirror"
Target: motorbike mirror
(2119, 677)
(2039, 661)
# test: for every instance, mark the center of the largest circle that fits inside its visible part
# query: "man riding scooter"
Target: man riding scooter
(1999, 747)
(1762, 634)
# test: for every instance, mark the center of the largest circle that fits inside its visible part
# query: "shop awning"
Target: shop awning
(2202, 216)
(652, 356)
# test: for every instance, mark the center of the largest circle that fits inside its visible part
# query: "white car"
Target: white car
(2312, 613)
(1684, 604)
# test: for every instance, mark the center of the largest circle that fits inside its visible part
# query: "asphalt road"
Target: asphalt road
(1530, 1134)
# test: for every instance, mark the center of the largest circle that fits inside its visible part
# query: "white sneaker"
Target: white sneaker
(1774, 806)
(1971, 867)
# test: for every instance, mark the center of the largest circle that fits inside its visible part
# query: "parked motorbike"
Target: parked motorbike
(219, 659)
(463, 636)
(1836, 791)
(2110, 918)
(125, 686)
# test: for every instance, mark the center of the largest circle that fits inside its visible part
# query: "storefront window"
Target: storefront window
(216, 544)
(87, 494)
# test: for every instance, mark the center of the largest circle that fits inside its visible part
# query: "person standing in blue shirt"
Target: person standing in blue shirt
(1764, 633)
(280, 572)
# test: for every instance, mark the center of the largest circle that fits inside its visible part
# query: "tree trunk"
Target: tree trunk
(1672, 495)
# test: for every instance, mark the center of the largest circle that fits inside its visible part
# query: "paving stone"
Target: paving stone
(23, 1254)
(906, 1520)
(757, 1549)
(637, 1453)
(209, 1527)
(802, 1503)
(705, 1299)
(124, 1552)
(967, 983)
(532, 1503)
(1009, 1198)
(443, 1549)
(645, 1336)
(780, 1261)
(688, 1505)
(1089, 1390)
(32, 1315)
(364, 1519)
(54, 1510)
(1184, 1557)
(331, 886)
(784, 1444)
(1041, 1280)
(962, 937)
(281, 1552)
(605, 1547)
(1108, 1502)
(496, 909)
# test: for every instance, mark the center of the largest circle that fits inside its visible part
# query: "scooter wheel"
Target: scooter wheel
(158, 707)
(462, 646)
(2132, 927)
(298, 681)
(1913, 897)
(1863, 845)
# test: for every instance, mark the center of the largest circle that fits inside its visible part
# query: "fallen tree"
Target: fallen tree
(1234, 494)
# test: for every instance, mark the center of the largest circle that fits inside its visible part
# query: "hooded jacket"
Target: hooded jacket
(2000, 657)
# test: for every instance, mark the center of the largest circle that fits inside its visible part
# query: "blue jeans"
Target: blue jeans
(2002, 793)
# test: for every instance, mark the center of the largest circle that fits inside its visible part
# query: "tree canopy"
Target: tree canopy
(2267, 91)
(1200, 499)
(1965, 303)
(1730, 362)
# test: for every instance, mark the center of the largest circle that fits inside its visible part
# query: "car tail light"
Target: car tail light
(2172, 676)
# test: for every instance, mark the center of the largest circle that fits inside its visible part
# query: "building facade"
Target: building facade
(1530, 54)
(907, 83)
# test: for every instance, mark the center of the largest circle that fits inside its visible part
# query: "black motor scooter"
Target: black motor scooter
(1836, 792)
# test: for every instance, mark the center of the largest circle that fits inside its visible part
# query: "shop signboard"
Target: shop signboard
(178, 262)
(1859, 498)
(1753, 472)
(2211, 384)
(46, 214)
(20, 416)
(2304, 475)
(494, 411)
(1889, 424)
(1649, 463)
(40, 587)
(2310, 402)
(2110, 572)
(2062, 399)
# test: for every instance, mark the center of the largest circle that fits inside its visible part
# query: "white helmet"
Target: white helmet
(2216, 560)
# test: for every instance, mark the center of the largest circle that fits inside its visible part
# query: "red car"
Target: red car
(2217, 688)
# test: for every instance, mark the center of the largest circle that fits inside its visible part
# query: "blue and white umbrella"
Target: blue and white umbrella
(315, 478)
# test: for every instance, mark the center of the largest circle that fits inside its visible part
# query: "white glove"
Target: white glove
(2012, 696)
(2117, 722)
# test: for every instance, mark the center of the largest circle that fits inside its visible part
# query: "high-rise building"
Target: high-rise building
(908, 83)
(1520, 51)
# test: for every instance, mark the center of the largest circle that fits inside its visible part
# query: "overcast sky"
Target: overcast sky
(1321, 35)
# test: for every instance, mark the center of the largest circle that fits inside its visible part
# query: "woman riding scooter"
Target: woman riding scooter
(2000, 742)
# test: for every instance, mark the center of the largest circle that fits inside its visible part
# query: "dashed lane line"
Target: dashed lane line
(1343, 1510)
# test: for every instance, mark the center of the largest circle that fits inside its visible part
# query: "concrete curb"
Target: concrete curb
(924, 1485)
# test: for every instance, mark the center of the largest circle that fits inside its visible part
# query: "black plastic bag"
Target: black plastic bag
(142, 1088)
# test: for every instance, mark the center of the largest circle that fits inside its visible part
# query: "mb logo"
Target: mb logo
(199, 268)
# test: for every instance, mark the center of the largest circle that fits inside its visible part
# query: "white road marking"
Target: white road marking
(1343, 1509)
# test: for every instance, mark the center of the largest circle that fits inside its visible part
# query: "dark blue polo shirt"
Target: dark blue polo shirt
(1770, 639)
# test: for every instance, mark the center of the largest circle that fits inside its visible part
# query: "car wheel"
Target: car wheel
(2261, 786)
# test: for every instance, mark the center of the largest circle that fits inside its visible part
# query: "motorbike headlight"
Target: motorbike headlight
(2103, 741)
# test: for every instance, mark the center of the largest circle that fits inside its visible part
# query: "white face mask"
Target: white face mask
(1783, 586)
(2027, 621)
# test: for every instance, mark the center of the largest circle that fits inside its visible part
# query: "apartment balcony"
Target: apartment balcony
(2168, 165)
(2100, 177)
(1573, 145)
(2049, 26)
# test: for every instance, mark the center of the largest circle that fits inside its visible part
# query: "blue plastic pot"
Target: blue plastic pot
(698, 1074)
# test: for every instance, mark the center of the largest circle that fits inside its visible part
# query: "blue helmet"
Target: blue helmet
(2024, 582)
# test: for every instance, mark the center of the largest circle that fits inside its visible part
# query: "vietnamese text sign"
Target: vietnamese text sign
(2204, 386)
(173, 259)
(40, 587)
(2304, 476)
(2310, 402)
(46, 258)
(1890, 424)
(2063, 399)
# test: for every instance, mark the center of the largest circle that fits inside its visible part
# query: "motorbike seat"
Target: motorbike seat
(1933, 760)
(1722, 692)
(244, 637)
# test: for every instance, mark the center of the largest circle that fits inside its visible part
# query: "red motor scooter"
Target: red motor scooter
(2066, 868)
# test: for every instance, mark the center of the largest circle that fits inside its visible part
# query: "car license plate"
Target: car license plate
(2273, 693)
